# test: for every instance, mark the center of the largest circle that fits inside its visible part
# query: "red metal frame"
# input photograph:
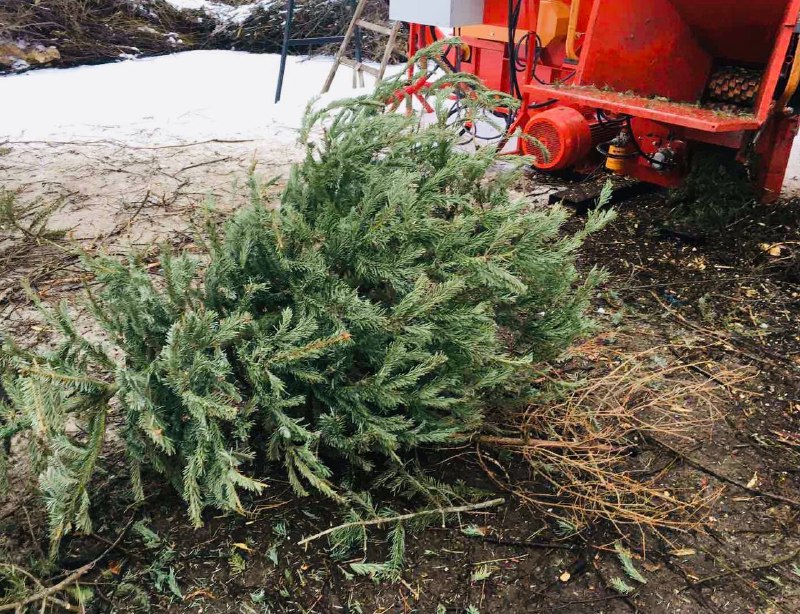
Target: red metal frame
(674, 114)
(651, 60)
(630, 42)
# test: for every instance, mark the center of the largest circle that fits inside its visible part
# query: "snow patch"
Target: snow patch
(19, 65)
(225, 14)
(178, 98)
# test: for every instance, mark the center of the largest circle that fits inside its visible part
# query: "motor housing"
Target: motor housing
(563, 137)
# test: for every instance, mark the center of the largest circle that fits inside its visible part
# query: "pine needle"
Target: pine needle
(626, 560)
(619, 585)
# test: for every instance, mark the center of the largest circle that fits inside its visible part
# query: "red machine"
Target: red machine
(638, 85)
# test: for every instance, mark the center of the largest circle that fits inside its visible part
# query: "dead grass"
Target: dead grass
(606, 406)
(27, 242)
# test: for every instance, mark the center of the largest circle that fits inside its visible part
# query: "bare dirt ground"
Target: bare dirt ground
(719, 301)
(102, 182)
(115, 197)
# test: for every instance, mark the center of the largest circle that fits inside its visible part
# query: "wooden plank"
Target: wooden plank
(351, 29)
(374, 27)
(360, 66)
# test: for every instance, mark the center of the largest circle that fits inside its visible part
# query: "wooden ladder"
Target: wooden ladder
(359, 68)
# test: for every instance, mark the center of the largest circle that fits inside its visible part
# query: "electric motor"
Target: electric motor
(560, 138)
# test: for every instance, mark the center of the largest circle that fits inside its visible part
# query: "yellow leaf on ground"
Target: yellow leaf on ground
(773, 249)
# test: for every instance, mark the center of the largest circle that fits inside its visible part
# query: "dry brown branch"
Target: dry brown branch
(749, 568)
(377, 522)
(515, 442)
(88, 31)
(585, 471)
(738, 344)
(92, 31)
(48, 594)
(723, 478)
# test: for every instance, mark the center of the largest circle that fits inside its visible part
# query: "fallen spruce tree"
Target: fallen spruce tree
(395, 291)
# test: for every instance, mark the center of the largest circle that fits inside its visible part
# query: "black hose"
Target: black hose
(604, 121)
(456, 110)
(522, 58)
(447, 50)
(635, 143)
(513, 18)
(514, 13)
(537, 57)
(541, 105)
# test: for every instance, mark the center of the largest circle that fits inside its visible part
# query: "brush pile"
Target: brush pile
(93, 31)
(73, 32)
(262, 30)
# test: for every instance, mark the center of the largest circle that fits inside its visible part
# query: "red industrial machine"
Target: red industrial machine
(635, 85)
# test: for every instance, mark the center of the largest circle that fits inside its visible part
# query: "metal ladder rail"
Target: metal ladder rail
(289, 42)
(358, 66)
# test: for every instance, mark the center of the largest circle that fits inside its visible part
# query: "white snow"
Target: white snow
(184, 97)
(222, 13)
(791, 185)
(189, 4)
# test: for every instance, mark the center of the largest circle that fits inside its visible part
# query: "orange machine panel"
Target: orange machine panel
(644, 46)
(735, 30)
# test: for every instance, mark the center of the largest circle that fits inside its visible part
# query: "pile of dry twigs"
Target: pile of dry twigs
(96, 31)
(263, 30)
(592, 449)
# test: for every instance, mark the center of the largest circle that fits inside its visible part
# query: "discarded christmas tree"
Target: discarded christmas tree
(395, 291)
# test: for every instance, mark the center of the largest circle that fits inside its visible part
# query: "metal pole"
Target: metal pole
(359, 44)
(287, 31)
(359, 54)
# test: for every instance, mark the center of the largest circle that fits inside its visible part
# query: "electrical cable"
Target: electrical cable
(513, 20)
(447, 50)
(541, 105)
(635, 143)
(628, 122)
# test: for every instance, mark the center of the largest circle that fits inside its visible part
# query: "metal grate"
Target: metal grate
(547, 148)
